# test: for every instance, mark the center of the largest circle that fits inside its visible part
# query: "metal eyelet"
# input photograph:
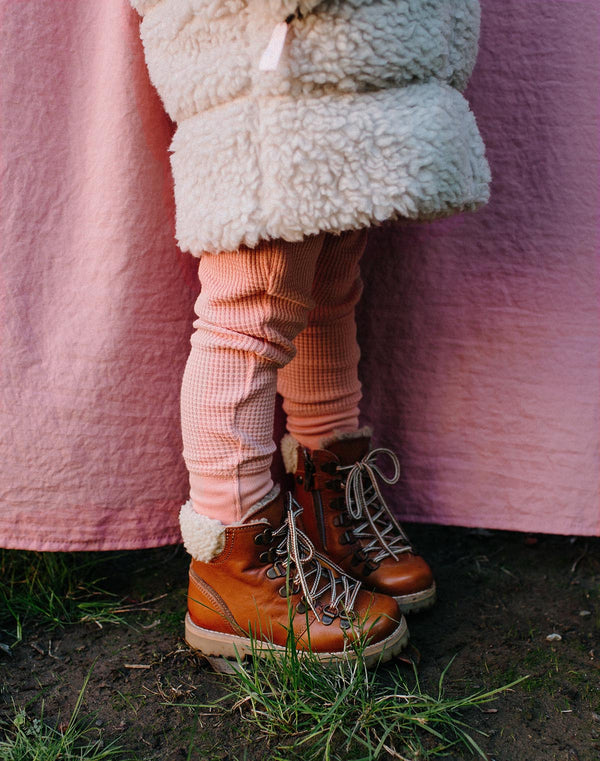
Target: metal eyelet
(369, 567)
(301, 607)
(265, 537)
(333, 484)
(275, 571)
(267, 557)
(358, 557)
(347, 617)
(329, 615)
(347, 537)
(282, 591)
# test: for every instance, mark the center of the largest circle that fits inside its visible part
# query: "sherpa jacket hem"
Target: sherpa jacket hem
(363, 120)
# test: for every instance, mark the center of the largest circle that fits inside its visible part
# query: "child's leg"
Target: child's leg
(252, 305)
(320, 386)
(354, 527)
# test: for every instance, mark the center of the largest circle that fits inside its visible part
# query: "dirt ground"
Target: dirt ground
(500, 596)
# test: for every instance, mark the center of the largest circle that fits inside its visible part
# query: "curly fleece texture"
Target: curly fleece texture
(204, 537)
(289, 445)
(362, 121)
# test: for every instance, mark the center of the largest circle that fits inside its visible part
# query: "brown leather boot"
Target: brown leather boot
(347, 519)
(266, 574)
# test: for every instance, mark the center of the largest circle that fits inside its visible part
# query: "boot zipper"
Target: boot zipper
(318, 503)
(309, 485)
(309, 471)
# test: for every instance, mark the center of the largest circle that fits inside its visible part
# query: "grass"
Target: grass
(341, 711)
(29, 739)
(57, 589)
(292, 709)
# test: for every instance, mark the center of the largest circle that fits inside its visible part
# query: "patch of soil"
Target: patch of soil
(500, 595)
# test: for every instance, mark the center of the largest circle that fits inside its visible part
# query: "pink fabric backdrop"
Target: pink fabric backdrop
(481, 349)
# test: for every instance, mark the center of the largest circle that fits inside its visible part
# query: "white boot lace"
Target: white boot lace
(296, 552)
(365, 502)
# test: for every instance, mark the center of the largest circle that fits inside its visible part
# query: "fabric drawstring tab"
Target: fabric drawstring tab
(269, 60)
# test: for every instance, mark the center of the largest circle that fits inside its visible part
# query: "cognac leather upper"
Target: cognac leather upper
(238, 592)
(320, 491)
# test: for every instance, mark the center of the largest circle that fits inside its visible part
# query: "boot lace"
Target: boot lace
(304, 567)
(365, 503)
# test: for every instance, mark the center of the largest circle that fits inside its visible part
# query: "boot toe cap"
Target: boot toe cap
(408, 574)
(378, 615)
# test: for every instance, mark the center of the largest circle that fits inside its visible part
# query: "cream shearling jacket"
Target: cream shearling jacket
(362, 121)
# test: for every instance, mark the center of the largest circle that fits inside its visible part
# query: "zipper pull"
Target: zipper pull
(269, 60)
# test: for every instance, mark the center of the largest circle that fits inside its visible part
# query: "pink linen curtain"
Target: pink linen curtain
(480, 334)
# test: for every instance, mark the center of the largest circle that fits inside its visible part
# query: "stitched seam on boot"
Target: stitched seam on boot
(230, 536)
(217, 600)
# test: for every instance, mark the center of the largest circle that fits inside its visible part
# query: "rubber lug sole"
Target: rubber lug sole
(221, 645)
(418, 601)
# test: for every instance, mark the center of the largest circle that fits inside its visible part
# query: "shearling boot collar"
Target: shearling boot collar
(204, 537)
(289, 445)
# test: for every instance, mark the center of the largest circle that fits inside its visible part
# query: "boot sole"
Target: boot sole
(418, 601)
(211, 643)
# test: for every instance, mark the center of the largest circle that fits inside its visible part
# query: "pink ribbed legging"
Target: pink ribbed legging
(279, 317)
